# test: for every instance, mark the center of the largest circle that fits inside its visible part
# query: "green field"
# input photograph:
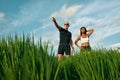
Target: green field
(22, 59)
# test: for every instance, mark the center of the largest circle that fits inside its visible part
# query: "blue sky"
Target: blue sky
(33, 16)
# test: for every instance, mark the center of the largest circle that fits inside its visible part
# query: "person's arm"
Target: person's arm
(56, 24)
(71, 43)
(90, 31)
(76, 42)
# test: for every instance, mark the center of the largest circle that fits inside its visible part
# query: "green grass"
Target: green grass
(22, 59)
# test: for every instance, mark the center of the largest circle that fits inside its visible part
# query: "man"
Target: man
(65, 40)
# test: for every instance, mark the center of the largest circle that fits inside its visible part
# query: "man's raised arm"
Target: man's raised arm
(56, 24)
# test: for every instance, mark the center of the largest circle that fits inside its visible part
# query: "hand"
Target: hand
(73, 50)
(80, 47)
(53, 19)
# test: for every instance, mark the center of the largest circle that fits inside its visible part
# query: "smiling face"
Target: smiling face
(66, 25)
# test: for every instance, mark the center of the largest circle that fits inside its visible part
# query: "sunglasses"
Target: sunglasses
(66, 24)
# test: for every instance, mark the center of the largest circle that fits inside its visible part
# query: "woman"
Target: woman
(84, 38)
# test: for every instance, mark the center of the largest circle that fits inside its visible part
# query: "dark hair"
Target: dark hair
(81, 29)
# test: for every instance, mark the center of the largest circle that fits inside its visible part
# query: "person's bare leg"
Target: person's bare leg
(59, 57)
(67, 56)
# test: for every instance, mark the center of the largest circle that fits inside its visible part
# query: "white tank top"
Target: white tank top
(83, 40)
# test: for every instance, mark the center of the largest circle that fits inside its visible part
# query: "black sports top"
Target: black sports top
(65, 36)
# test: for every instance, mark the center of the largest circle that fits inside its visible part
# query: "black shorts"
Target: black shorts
(64, 48)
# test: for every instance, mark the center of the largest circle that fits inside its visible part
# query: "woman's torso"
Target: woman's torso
(85, 40)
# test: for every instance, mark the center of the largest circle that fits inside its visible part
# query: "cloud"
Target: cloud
(114, 46)
(98, 7)
(2, 15)
(66, 12)
(105, 25)
(104, 19)
(43, 27)
(3, 21)
(27, 15)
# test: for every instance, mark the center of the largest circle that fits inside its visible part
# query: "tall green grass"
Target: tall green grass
(23, 59)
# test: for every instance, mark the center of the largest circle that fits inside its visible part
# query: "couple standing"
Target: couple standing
(66, 39)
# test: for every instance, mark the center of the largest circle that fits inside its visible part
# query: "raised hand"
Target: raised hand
(53, 19)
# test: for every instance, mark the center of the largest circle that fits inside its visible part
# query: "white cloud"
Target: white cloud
(28, 14)
(52, 37)
(2, 15)
(66, 12)
(105, 23)
(98, 7)
(3, 21)
(41, 28)
(114, 46)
